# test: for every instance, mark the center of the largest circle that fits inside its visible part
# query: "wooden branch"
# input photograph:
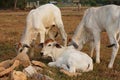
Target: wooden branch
(30, 71)
(23, 58)
(8, 70)
(2, 69)
(6, 63)
(38, 63)
(18, 75)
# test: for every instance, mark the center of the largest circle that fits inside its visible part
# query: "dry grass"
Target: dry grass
(12, 25)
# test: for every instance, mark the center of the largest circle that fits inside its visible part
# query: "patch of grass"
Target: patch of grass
(5, 48)
(7, 51)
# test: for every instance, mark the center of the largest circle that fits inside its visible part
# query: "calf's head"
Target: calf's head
(19, 47)
(48, 47)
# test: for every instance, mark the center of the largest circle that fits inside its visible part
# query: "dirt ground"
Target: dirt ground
(12, 24)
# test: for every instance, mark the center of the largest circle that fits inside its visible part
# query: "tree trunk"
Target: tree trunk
(15, 4)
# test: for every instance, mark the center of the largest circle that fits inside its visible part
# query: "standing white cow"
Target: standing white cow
(40, 21)
(95, 21)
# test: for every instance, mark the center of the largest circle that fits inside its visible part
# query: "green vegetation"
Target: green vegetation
(13, 4)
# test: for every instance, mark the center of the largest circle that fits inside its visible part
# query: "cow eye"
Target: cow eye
(49, 45)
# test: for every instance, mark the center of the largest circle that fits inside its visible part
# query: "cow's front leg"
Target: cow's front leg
(34, 37)
(52, 64)
(97, 46)
(72, 69)
(42, 38)
(32, 49)
(64, 66)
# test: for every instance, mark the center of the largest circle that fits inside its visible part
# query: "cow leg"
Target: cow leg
(52, 64)
(115, 48)
(60, 26)
(34, 36)
(118, 37)
(72, 69)
(97, 45)
(42, 37)
(65, 67)
(92, 46)
(64, 35)
(32, 49)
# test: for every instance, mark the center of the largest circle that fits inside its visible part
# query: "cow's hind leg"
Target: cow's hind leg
(92, 46)
(112, 38)
(63, 34)
(60, 26)
(42, 37)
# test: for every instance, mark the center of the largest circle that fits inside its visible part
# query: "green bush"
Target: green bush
(21, 4)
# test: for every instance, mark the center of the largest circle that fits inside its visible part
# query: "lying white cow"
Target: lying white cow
(40, 21)
(95, 21)
(67, 58)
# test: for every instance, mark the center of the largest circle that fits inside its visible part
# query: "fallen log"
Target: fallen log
(38, 63)
(6, 63)
(30, 71)
(2, 69)
(18, 75)
(10, 69)
(23, 58)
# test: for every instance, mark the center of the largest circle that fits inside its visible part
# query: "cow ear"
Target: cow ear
(58, 45)
(41, 45)
(18, 45)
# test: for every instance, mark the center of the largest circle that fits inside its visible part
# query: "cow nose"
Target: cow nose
(41, 53)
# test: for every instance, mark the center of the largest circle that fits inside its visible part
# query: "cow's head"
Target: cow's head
(19, 47)
(77, 44)
(79, 40)
(48, 47)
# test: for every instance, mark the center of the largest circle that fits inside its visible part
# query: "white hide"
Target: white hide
(40, 21)
(97, 20)
(67, 58)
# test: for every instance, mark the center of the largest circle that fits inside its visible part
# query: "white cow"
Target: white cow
(95, 21)
(40, 21)
(67, 58)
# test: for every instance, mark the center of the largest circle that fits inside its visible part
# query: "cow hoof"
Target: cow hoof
(97, 61)
(110, 66)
